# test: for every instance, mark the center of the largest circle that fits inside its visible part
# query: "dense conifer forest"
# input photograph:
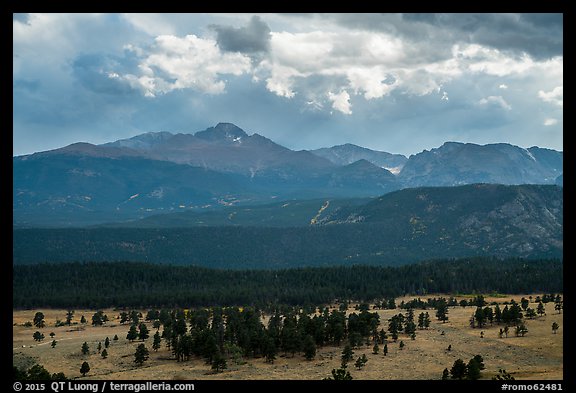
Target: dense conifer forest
(126, 284)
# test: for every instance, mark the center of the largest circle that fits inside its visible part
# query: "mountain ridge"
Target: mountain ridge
(223, 166)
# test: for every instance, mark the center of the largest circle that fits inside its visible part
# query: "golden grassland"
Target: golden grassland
(537, 356)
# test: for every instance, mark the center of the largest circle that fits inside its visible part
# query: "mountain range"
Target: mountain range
(223, 166)
(403, 226)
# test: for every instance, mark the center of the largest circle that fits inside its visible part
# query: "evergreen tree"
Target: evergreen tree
(69, 317)
(309, 348)
(524, 303)
(83, 320)
(340, 374)
(521, 330)
(361, 362)
(99, 347)
(218, 363)
(39, 320)
(99, 318)
(124, 317)
(473, 370)
(141, 354)
(38, 336)
(530, 313)
(115, 338)
(53, 343)
(375, 348)
(458, 370)
(385, 350)
(479, 317)
(84, 369)
(555, 327)
(445, 373)
(104, 354)
(106, 342)
(85, 348)
(540, 309)
(401, 344)
(347, 354)
(143, 332)
(132, 333)
(497, 314)
(442, 310)
(157, 341)
(270, 350)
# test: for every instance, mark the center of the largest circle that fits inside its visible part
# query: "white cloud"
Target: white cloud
(174, 63)
(495, 100)
(550, 122)
(556, 96)
(341, 101)
(503, 86)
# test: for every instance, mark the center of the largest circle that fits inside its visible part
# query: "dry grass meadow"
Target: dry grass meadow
(537, 356)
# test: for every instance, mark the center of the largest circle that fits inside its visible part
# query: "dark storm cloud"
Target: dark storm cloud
(251, 39)
(539, 35)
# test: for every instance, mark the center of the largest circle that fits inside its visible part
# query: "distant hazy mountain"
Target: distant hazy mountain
(226, 148)
(349, 153)
(161, 172)
(400, 227)
(222, 166)
(466, 163)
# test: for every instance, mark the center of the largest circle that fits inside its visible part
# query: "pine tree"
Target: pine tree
(69, 317)
(385, 350)
(340, 374)
(38, 336)
(347, 354)
(442, 310)
(39, 320)
(85, 348)
(309, 348)
(445, 374)
(540, 309)
(521, 330)
(555, 327)
(361, 362)
(53, 343)
(84, 369)
(132, 333)
(99, 347)
(115, 338)
(458, 370)
(218, 363)
(401, 344)
(143, 333)
(141, 354)
(83, 320)
(104, 354)
(375, 348)
(106, 342)
(473, 370)
(157, 341)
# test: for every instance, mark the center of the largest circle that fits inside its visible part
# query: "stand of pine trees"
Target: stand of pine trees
(141, 285)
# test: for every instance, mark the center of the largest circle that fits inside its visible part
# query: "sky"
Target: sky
(400, 83)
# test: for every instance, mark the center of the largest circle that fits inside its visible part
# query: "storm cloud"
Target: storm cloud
(395, 82)
(251, 39)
